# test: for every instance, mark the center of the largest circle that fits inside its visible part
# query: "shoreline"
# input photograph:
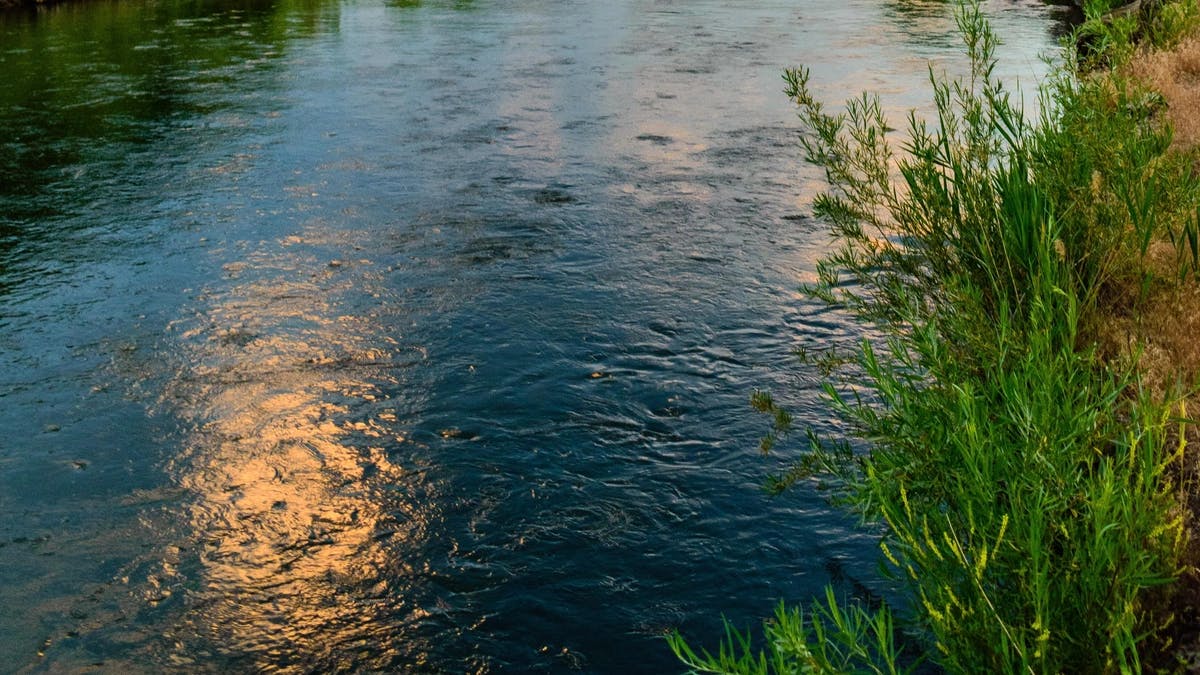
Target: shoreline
(1033, 461)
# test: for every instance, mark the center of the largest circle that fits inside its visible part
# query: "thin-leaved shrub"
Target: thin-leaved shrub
(1023, 482)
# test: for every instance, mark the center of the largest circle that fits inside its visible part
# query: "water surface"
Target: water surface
(417, 336)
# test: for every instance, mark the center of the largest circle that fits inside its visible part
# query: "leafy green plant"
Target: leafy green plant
(1114, 30)
(1101, 154)
(1023, 482)
(831, 639)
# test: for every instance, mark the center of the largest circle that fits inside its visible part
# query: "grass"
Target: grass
(1026, 462)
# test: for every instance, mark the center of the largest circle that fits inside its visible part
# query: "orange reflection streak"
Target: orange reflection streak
(286, 470)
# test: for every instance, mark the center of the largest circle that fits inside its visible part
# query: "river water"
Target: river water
(402, 336)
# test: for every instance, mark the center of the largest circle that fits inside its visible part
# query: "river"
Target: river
(403, 336)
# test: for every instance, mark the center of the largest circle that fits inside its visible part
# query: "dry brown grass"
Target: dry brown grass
(1159, 326)
(1176, 75)
(1160, 329)
(1167, 324)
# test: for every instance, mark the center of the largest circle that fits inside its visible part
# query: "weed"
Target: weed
(1025, 481)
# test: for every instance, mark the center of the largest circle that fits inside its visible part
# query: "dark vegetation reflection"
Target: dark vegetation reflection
(108, 101)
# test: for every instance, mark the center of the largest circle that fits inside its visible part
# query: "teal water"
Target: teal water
(417, 336)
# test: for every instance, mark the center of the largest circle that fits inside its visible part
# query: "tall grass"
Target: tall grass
(1024, 483)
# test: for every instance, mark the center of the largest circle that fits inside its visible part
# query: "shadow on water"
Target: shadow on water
(929, 25)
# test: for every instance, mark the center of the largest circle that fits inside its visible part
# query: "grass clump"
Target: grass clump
(831, 639)
(1026, 478)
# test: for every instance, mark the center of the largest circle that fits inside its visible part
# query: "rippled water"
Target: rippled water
(416, 336)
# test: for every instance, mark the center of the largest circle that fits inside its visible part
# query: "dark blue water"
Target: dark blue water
(417, 336)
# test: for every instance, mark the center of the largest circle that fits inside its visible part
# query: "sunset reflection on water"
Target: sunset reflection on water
(297, 511)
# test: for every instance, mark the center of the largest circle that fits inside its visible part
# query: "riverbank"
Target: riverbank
(1027, 406)
(1164, 332)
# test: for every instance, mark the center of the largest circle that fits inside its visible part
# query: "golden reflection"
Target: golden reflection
(288, 472)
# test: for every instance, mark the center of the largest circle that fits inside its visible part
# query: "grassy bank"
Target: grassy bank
(1027, 407)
